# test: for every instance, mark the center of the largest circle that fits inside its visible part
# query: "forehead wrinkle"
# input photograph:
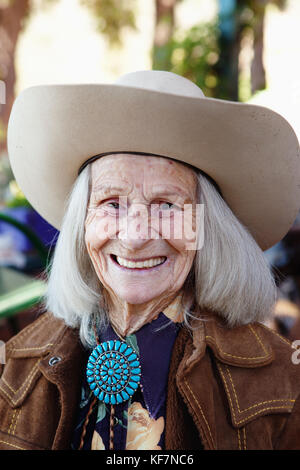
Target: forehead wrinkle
(169, 190)
(109, 188)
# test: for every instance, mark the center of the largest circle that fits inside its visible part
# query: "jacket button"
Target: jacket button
(53, 360)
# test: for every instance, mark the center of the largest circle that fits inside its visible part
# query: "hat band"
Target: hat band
(95, 157)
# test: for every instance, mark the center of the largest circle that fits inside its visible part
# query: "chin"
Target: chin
(137, 298)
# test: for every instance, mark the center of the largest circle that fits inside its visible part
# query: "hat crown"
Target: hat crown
(162, 81)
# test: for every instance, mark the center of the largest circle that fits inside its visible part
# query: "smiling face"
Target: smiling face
(134, 226)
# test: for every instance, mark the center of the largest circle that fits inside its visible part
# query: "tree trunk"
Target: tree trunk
(11, 24)
(258, 74)
(229, 42)
(164, 22)
(164, 26)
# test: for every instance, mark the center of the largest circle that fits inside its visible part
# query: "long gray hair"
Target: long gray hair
(229, 276)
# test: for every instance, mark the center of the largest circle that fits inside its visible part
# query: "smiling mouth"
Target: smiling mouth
(139, 264)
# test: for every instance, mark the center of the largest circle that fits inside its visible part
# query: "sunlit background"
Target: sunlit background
(246, 50)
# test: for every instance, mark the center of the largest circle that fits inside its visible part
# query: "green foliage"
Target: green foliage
(18, 201)
(112, 17)
(193, 54)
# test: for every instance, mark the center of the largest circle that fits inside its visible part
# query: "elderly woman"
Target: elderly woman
(153, 335)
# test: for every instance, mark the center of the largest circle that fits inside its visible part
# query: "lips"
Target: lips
(139, 264)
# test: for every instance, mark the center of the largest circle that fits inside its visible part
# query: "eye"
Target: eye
(166, 205)
(113, 204)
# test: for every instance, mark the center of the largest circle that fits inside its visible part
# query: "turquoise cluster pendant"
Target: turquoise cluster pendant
(113, 372)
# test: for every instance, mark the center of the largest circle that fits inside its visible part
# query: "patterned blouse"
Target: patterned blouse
(139, 422)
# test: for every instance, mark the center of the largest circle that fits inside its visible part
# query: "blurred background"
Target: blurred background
(239, 50)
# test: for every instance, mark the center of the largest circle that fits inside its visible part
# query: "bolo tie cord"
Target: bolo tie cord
(91, 409)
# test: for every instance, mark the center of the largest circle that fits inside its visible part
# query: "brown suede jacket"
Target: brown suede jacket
(228, 388)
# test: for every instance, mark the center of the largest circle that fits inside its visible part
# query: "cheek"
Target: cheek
(99, 228)
(179, 231)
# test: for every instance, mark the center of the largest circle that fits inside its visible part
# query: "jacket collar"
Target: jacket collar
(241, 346)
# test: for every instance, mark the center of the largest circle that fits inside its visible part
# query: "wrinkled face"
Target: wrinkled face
(134, 226)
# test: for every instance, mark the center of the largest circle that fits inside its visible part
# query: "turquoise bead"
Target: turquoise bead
(119, 398)
(92, 386)
(96, 392)
(95, 353)
(128, 351)
(106, 398)
(124, 395)
(136, 371)
(89, 372)
(123, 347)
(136, 378)
(90, 379)
(135, 364)
(112, 400)
(129, 390)
(133, 385)
(131, 357)
(99, 349)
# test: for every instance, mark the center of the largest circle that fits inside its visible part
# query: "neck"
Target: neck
(127, 318)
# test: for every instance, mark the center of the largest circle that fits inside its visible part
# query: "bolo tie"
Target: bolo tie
(113, 374)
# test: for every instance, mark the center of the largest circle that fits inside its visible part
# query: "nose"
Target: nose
(135, 227)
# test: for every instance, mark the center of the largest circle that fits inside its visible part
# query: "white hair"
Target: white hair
(230, 275)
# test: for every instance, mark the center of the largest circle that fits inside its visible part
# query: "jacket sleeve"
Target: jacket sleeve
(290, 436)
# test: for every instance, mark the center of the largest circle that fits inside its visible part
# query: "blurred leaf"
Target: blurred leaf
(192, 54)
(112, 17)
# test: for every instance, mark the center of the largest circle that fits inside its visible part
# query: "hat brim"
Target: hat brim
(250, 151)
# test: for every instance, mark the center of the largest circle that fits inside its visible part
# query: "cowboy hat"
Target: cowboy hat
(251, 152)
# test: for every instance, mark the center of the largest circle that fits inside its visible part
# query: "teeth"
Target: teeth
(140, 264)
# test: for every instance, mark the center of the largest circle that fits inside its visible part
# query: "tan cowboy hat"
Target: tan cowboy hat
(251, 152)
